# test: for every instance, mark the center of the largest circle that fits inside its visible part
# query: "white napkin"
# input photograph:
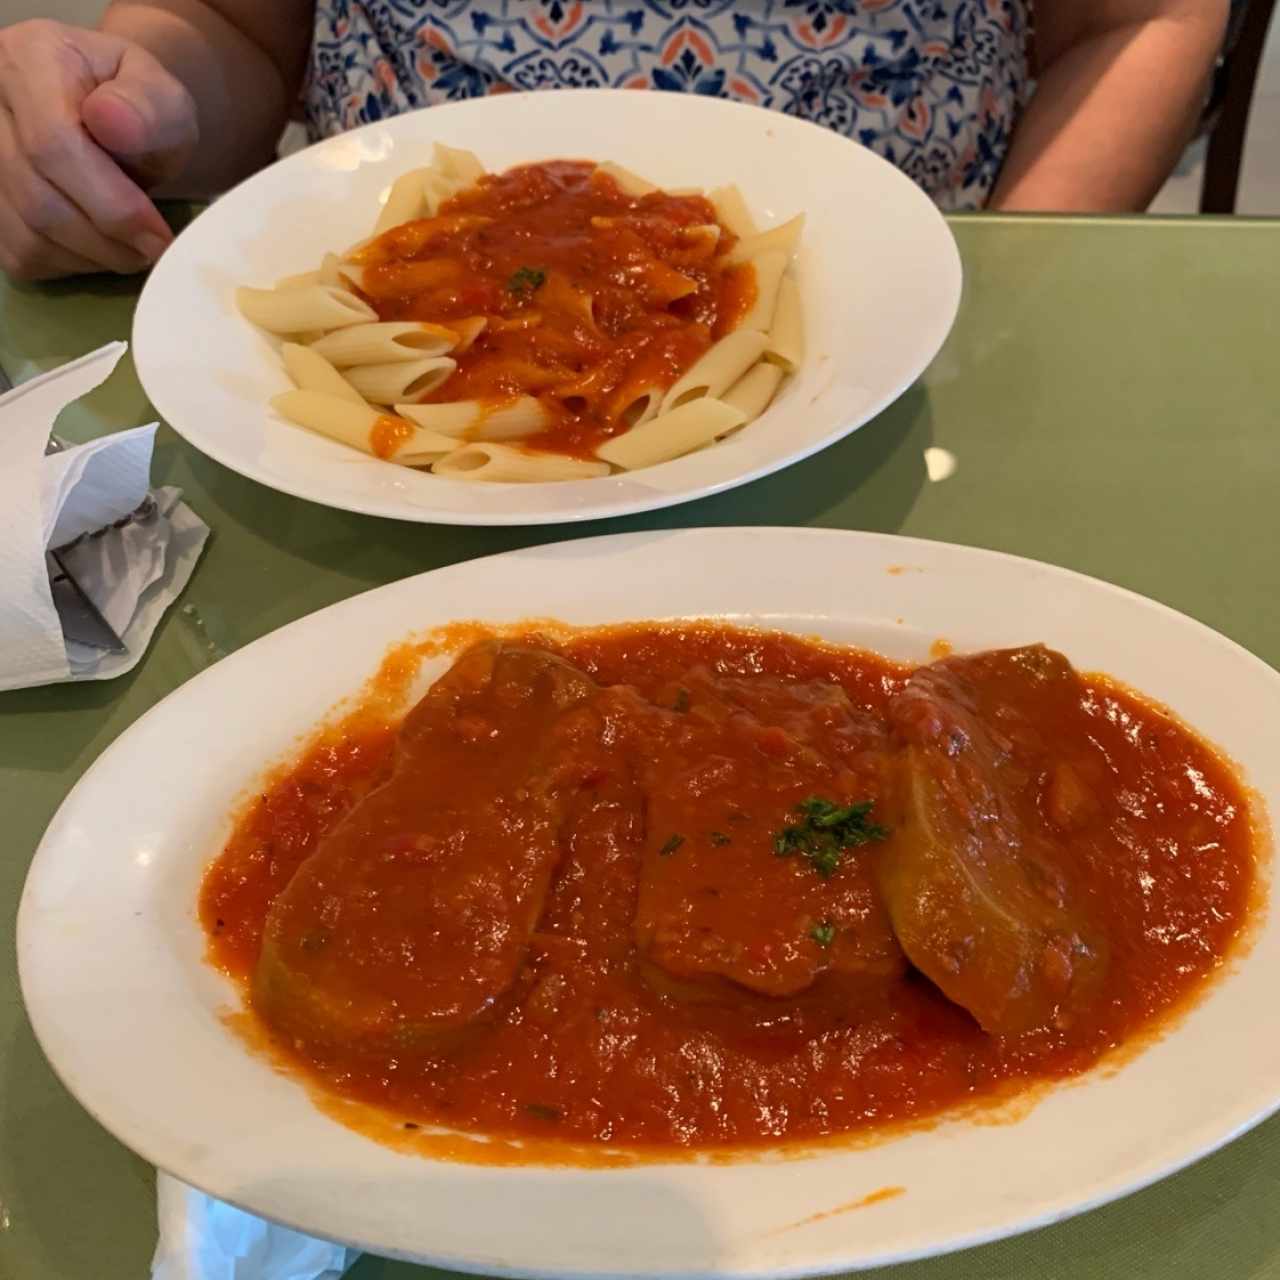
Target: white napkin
(204, 1239)
(132, 575)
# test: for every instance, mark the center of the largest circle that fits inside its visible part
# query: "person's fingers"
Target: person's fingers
(48, 213)
(45, 76)
(27, 255)
(144, 117)
(59, 148)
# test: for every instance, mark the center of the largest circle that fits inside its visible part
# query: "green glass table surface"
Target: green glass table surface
(1107, 401)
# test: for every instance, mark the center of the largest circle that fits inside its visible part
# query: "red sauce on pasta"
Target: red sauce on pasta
(388, 433)
(683, 985)
(591, 298)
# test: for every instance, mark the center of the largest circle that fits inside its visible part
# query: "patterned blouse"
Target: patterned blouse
(934, 86)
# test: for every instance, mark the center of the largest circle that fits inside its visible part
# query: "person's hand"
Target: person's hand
(88, 122)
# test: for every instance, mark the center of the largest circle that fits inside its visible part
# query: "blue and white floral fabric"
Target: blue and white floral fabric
(934, 86)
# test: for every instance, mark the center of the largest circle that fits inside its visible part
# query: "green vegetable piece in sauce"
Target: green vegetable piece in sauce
(823, 933)
(526, 281)
(828, 830)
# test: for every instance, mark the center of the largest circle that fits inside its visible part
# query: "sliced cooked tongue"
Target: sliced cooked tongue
(977, 876)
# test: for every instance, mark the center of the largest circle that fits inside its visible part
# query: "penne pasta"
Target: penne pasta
(404, 202)
(630, 184)
(313, 372)
(703, 239)
(463, 168)
(769, 268)
(717, 370)
(401, 278)
(637, 405)
(752, 392)
(557, 291)
(476, 420)
(732, 211)
(411, 239)
(504, 462)
(468, 331)
(785, 346)
(568, 298)
(351, 274)
(362, 427)
(665, 283)
(782, 239)
(436, 189)
(355, 249)
(403, 380)
(385, 342)
(671, 434)
(329, 273)
(309, 306)
(297, 281)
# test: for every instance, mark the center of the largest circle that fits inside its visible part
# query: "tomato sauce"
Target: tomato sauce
(388, 434)
(588, 1047)
(591, 297)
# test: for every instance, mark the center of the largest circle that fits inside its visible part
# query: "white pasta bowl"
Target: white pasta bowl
(878, 271)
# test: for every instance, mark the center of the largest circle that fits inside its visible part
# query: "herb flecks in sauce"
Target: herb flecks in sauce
(823, 933)
(526, 281)
(542, 1111)
(827, 832)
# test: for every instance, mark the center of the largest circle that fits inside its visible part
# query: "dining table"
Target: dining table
(1108, 400)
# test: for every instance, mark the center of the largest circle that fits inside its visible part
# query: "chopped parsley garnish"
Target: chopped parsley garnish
(682, 701)
(526, 280)
(823, 933)
(826, 832)
(719, 838)
(543, 1111)
(672, 844)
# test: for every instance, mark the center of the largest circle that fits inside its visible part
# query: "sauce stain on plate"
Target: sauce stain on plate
(862, 1202)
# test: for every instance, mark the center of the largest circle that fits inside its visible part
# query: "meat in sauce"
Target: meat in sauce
(355, 947)
(691, 885)
(720, 905)
(982, 889)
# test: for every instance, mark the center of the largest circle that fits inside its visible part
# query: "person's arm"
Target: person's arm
(1121, 86)
(179, 96)
(242, 62)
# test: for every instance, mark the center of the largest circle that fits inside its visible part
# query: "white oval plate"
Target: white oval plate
(878, 270)
(107, 929)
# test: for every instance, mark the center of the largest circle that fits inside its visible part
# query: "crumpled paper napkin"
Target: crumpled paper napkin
(131, 574)
(205, 1239)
